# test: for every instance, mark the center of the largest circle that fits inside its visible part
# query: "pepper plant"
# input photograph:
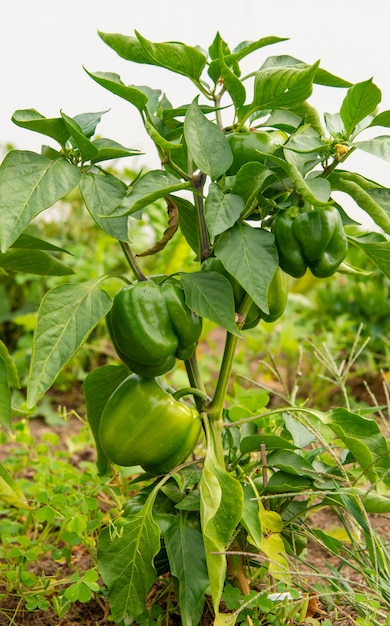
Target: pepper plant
(249, 171)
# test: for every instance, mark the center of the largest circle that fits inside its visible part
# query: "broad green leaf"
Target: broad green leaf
(274, 548)
(251, 179)
(147, 189)
(378, 146)
(51, 127)
(250, 519)
(252, 443)
(125, 561)
(250, 255)
(128, 48)
(283, 87)
(284, 482)
(88, 122)
(187, 562)
(33, 262)
(66, 316)
(174, 56)
(322, 77)
(98, 385)
(382, 119)
(187, 222)
(221, 210)
(206, 143)
(113, 83)
(376, 248)
(221, 508)
(5, 395)
(28, 242)
(29, 184)
(88, 150)
(247, 47)
(210, 295)
(361, 100)
(11, 370)
(109, 149)
(363, 438)
(10, 493)
(102, 193)
(334, 125)
(371, 197)
(305, 140)
(290, 462)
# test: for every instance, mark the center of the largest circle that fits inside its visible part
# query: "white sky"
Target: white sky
(44, 45)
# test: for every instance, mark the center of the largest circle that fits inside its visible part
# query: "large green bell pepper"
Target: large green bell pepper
(142, 424)
(313, 239)
(150, 326)
(253, 145)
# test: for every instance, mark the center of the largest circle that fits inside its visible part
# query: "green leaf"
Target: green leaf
(88, 122)
(221, 508)
(249, 254)
(360, 101)
(125, 561)
(221, 210)
(66, 316)
(382, 119)
(10, 493)
(32, 120)
(33, 262)
(252, 443)
(174, 56)
(11, 370)
(88, 150)
(187, 222)
(283, 87)
(210, 295)
(377, 251)
(322, 77)
(109, 149)
(5, 393)
(98, 385)
(28, 242)
(113, 83)
(187, 562)
(378, 146)
(251, 516)
(206, 143)
(363, 438)
(247, 47)
(102, 193)
(29, 184)
(147, 189)
(283, 482)
(251, 179)
(291, 463)
(371, 197)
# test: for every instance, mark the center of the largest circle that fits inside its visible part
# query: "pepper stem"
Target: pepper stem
(139, 275)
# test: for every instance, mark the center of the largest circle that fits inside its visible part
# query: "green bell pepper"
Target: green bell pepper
(312, 239)
(142, 424)
(150, 326)
(253, 145)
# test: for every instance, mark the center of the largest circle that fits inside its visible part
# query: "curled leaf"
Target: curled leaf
(173, 222)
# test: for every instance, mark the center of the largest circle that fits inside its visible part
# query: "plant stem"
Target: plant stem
(203, 236)
(132, 261)
(195, 380)
(216, 406)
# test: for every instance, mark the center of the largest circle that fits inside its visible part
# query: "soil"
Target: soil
(96, 612)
